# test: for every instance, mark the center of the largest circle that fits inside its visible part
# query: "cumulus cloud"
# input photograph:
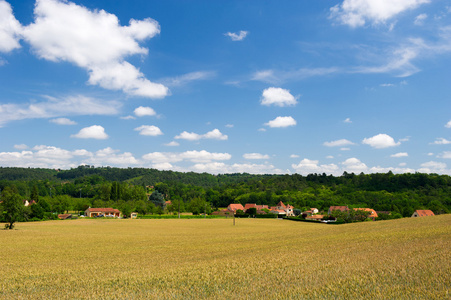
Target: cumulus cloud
(215, 134)
(445, 154)
(448, 125)
(442, 141)
(307, 166)
(355, 13)
(380, 141)
(347, 120)
(144, 111)
(338, 143)
(281, 122)
(237, 36)
(149, 130)
(92, 132)
(294, 156)
(10, 28)
(43, 156)
(63, 121)
(222, 168)
(354, 165)
(55, 107)
(400, 154)
(95, 41)
(278, 97)
(192, 156)
(433, 167)
(255, 156)
(229, 125)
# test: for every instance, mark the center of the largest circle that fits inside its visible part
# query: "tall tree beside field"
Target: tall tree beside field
(12, 207)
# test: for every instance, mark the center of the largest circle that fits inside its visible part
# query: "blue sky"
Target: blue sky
(227, 86)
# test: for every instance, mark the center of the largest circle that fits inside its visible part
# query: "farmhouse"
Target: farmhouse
(423, 213)
(372, 215)
(106, 212)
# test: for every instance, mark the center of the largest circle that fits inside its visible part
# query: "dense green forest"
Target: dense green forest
(135, 188)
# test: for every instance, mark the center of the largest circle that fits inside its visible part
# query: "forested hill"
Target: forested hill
(137, 176)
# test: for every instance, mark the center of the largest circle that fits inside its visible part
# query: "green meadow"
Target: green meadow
(213, 259)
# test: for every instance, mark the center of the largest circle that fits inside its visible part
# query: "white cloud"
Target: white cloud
(307, 166)
(192, 156)
(95, 41)
(338, 143)
(222, 168)
(187, 78)
(55, 107)
(63, 121)
(400, 154)
(278, 76)
(229, 125)
(172, 144)
(354, 165)
(215, 134)
(448, 125)
(433, 167)
(92, 132)
(347, 120)
(281, 122)
(255, 156)
(419, 20)
(150, 130)
(329, 157)
(144, 111)
(387, 85)
(294, 156)
(128, 118)
(262, 129)
(237, 36)
(356, 13)
(345, 149)
(442, 141)
(21, 147)
(380, 141)
(445, 154)
(42, 156)
(278, 97)
(10, 28)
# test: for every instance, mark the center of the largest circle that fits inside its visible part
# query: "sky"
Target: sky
(262, 87)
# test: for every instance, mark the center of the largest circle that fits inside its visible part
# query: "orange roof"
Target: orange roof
(373, 213)
(281, 204)
(424, 212)
(315, 217)
(235, 207)
(250, 205)
(103, 210)
(341, 208)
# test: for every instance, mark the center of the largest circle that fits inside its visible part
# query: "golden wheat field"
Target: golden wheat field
(212, 259)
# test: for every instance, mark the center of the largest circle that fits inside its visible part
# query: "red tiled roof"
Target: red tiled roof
(341, 208)
(315, 217)
(104, 210)
(424, 212)
(235, 207)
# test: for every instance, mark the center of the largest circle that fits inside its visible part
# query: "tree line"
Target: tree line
(131, 189)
